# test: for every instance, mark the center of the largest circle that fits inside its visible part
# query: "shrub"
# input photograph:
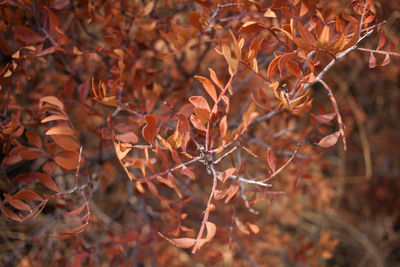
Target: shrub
(133, 128)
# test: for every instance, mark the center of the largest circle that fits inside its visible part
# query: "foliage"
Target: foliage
(132, 130)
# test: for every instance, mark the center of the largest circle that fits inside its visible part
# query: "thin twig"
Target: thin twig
(207, 210)
(336, 108)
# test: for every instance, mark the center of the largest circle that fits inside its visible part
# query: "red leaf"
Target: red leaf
(47, 181)
(329, 140)
(26, 35)
(150, 129)
(33, 138)
(18, 204)
(386, 60)
(10, 214)
(271, 159)
(372, 60)
(27, 195)
(75, 212)
(48, 167)
(30, 153)
(382, 40)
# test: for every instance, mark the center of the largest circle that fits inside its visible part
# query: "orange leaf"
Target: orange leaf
(223, 126)
(51, 100)
(215, 78)
(199, 102)
(54, 118)
(60, 129)
(208, 86)
(67, 159)
(272, 67)
(254, 229)
(65, 142)
(323, 39)
(197, 123)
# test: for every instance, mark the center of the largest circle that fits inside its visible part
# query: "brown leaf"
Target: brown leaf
(180, 242)
(26, 35)
(129, 137)
(324, 118)
(271, 159)
(150, 129)
(329, 140)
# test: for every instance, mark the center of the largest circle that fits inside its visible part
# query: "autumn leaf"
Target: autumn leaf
(271, 159)
(150, 129)
(208, 86)
(329, 140)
